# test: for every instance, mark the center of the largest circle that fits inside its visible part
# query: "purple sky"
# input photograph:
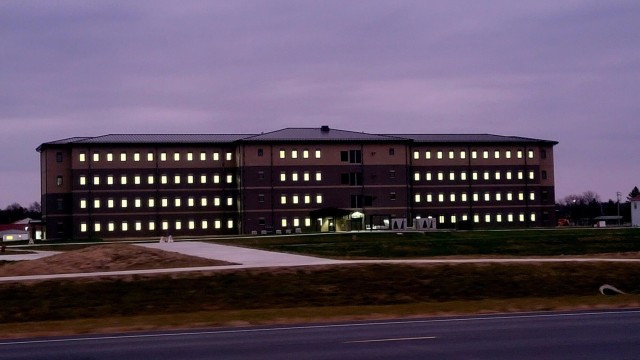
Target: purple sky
(550, 69)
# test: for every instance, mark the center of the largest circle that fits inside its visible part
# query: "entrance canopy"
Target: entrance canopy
(329, 212)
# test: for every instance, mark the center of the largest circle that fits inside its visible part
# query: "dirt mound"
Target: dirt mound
(111, 257)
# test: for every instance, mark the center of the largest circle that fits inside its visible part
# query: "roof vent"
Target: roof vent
(324, 128)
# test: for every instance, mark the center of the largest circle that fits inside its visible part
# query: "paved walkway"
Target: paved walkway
(28, 255)
(251, 258)
(239, 255)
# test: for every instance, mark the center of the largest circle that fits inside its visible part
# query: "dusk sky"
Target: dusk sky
(558, 70)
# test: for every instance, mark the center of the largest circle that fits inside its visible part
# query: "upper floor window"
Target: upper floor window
(318, 154)
(176, 156)
(305, 154)
(229, 155)
(283, 154)
(260, 152)
(294, 154)
(82, 157)
(123, 156)
(216, 156)
(392, 151)
(59, 157)
(163, 156)
(109, 157)
(96, 157)
(59, 180)
(351, 156)
(189, 156)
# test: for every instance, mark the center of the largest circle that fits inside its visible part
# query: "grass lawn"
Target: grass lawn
(547, 242)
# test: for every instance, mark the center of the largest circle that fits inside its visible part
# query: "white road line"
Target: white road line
(389, 339)
(327, 326)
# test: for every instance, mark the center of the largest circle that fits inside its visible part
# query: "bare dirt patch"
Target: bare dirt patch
(110, 257)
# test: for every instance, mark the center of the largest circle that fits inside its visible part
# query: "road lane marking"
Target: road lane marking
(328, 326)
(389, 340)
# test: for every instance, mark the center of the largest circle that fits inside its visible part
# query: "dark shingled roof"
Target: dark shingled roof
(469, 138)
(320, 134)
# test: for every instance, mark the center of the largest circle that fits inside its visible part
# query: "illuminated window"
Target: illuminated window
(137, 202)
(452, 176)
(519, 154)
(283, 199)
(203, 156)
(305, 154)
(123, 156)
(150, 179)
(283, 222)
(307, 222)
(530, 154)
(498, 196)
(189, 156)
(203, 179)
(216, 179)
(189, 179)
(318, 176)
(163, 156)
(165, 225)
(474, 175)
(521, 217)
(476, 218)
(96, 203)
(427, 155)
(96, 180)
(83, 227)
(124, 226)
(440, 197)
(463, 175)
(229, 178)
(474, 154)
(164, 179)
(177, 202)
(487, 196)
(510, 217)
(150, 156)
(294, 176)
(178, 225)
(463, 197)
(417, 198)
(439, 155)
(110, 203)
(485, 154)
(216, 201)
(204, 224)
(136, 179)
(509, 196)
(216, 156)
(508, 175)
(318, 154)
(463, 154)
(136, 156)
(532, 217)
(307, 199)
(97, 227)
(507, 154)
(164, 202)
(176, 156)
(123, 180)
(427, 176)
(416, 176)
(294, 199)
(532, 175)
(429, 198)
(283, 154)
(532, 195)
(124, 203)
(294, 154)
(138, 225)
(440, 176)
(217, 224)
(416, 155)
(319, 199)
(452, 197)
(496, 154)
(152, 225)
(191, 201)
(498, 217)
(306, 176)
(109, 179)
(520, 175)
(296, 222)
(283, 176)
(476, 197)
(109, 157)
(452, 154)
(151, 202)
(497, 175)
(486, 175)
(203, 201)
(82, 157)
(83, 203)
(487, 218)
(520, 196)
(229, 156)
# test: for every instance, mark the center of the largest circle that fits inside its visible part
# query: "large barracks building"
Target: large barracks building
(294, 180)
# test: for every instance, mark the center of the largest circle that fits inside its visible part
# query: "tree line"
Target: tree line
(16, 212)
(580, 209)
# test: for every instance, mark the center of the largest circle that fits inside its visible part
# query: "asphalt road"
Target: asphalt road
(575, 335)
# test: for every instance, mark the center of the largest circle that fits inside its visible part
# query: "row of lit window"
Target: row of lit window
(487, 196)
(151, 179)
(150, 156)
(475, 175)
(151, 202)
(165, 225)
(295, 176)
(486, 154)
(488, 218)
(295, 199)
(294, 153)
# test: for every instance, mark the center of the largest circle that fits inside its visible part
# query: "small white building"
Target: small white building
(635, 211)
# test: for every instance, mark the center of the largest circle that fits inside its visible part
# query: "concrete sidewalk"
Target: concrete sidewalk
(32, 255)
(239, 255)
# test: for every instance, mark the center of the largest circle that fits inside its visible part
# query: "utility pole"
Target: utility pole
(618, 195)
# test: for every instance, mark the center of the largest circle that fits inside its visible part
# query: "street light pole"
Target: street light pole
(618, 195)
